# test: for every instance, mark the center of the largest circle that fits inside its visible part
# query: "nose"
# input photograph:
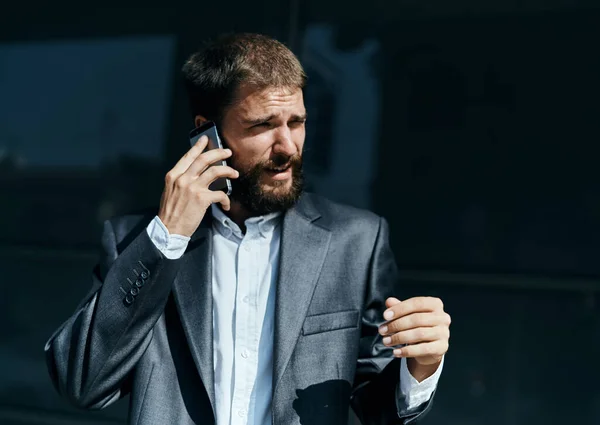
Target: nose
(284, 145)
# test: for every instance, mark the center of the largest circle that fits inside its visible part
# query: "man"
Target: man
(268, 306)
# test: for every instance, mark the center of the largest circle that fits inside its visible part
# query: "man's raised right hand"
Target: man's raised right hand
(186, 196)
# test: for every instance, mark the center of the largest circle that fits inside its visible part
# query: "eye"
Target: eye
(262, 125)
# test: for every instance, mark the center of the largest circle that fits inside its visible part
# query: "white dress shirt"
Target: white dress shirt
(244, 276)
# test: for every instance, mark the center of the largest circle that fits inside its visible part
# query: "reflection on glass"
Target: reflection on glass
(80, 103)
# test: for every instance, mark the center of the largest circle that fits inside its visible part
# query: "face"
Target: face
(265, 131)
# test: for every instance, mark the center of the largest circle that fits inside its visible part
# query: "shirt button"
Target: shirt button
(246, 299)
(245, 354)
(247, 248)
(242, 413)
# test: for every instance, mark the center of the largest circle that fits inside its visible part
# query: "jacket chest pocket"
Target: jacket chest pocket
(327, 322)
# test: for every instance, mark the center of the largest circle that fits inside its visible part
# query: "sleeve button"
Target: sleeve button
(144, 275)
(129, 299)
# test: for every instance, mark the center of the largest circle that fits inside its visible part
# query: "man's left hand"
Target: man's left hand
(421, 324)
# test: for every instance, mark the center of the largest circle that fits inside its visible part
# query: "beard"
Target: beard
(248, 191)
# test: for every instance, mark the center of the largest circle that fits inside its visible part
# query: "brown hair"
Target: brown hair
(214, 73)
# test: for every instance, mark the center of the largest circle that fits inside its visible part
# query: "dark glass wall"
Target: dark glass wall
(471, 127)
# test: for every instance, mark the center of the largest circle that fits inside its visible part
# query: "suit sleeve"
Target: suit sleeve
(374, 396)
(91, 356)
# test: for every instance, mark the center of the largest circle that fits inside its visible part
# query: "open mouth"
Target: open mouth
(280, 173)
(279, 169)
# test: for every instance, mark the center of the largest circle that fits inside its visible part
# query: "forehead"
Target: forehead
(252, 102)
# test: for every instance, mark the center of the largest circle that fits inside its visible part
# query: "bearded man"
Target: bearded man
(268, 306)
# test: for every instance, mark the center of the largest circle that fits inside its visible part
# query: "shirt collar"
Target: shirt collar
(266, 224)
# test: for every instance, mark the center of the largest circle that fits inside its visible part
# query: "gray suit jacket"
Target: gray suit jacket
(336, 270)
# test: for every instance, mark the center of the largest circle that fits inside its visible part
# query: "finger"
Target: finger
(220, 197)
(435, 348)
(190, 156)
(215, 172)
(391, 301)
(415, 320)
(204, 161)
(413, 305)
(414, 336)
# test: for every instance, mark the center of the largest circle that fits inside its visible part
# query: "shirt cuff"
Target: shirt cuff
(171, 246)
(411, 393)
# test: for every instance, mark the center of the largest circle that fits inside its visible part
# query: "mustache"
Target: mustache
(283, 161)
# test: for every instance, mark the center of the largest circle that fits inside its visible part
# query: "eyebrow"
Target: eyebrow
(300, 117)
(255, 121)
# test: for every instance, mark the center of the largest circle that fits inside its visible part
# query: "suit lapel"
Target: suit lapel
(192, 291)
(303, 249)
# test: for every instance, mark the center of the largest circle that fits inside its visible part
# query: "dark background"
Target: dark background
(471, 126)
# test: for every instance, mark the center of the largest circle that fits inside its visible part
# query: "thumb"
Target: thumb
(391, 301)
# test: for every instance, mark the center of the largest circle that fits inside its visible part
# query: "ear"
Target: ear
(199, 120)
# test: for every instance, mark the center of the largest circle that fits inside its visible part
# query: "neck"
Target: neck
(238, 214)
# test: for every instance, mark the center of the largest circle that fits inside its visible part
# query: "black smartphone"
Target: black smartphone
(214, 142)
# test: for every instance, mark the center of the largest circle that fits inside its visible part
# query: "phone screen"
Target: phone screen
(214, 142)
